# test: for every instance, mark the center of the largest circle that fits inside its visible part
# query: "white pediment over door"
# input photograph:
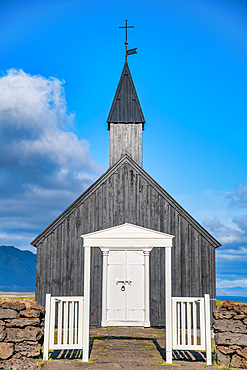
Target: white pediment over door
(125, 286)
(127, 236)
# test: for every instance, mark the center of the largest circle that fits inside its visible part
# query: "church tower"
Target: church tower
(126, 121)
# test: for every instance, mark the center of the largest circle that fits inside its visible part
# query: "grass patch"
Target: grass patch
(32, 298)
(163, 363)
(220, 303)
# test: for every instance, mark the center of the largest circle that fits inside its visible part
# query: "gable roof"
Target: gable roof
(123, 160)
(126, 107)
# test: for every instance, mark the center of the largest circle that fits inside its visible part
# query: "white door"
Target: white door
(125, 288)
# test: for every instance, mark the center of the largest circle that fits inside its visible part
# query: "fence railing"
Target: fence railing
(63, 323)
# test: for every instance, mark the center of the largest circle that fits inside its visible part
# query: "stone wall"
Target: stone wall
(21, 332)
(230, 328)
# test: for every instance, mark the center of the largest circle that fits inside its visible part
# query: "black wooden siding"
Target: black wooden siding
(125, 195)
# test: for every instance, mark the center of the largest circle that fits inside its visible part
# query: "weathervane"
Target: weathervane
(130, 51)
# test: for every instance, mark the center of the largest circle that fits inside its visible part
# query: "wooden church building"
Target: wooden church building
(125, 194)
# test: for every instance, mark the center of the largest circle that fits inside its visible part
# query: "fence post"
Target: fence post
(208, 329)
(86, 313)
(47, 326)
(168, 307)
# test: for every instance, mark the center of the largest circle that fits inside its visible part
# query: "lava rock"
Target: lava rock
(12, 303)
(225, 339)
(21, 322)
(6, 313)
(28, 349)
(30, 333)
(6, 350)
(30, 313)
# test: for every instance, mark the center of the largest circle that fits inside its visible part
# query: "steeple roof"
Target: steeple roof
(126, 107)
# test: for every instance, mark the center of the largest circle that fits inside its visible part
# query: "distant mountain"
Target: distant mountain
(17, 270)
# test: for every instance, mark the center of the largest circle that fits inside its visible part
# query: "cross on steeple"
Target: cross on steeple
(131, 51)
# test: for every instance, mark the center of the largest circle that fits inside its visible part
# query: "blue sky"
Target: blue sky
(60, 65)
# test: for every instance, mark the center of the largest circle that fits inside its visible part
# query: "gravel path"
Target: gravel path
(126, 348)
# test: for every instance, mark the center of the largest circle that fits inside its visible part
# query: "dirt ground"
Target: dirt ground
(126, 348)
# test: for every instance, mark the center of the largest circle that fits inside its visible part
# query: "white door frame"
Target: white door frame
(127, 236)
(146, 251)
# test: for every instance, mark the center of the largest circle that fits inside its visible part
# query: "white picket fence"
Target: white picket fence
(67, 327)
(63, 323)
(191, 329)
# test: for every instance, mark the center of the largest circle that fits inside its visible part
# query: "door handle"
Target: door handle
(123, 282)
(120, 282)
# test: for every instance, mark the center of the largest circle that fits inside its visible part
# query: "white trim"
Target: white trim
(116, 230)
(86, 316)
(208, 329)
(129, 243)
(127, 236)
(104, 287)
(146, 323)
(47, 326)
(168, 307)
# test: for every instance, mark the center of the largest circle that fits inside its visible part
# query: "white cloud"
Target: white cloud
(239, 196)
(225, 283)
(226, 233)
(32, 101)
(34, 122)
(234, 228)
(18, 239)
(44, 166)
(237, 254)
(230, 228)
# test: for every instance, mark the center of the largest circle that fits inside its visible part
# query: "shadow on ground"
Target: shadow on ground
(129, 342)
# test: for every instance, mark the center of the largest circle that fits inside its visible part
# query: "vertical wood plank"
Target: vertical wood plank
(71, 321)
(189, 323)
(126, 194)
(195, 323)
(195, 264)
(104, 205)
(73, 256)
(185, 266)
(205, 267)
(142, 194)
(38, 294)
(65, 325)
(183, 322)
(76, 340)
(179, 338)
(59, 322)
(177, 259)
(110, 202)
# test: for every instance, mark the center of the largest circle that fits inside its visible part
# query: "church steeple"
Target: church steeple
(126, 107)
(126, 121)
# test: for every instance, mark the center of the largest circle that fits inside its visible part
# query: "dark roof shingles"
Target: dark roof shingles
(126, 107)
